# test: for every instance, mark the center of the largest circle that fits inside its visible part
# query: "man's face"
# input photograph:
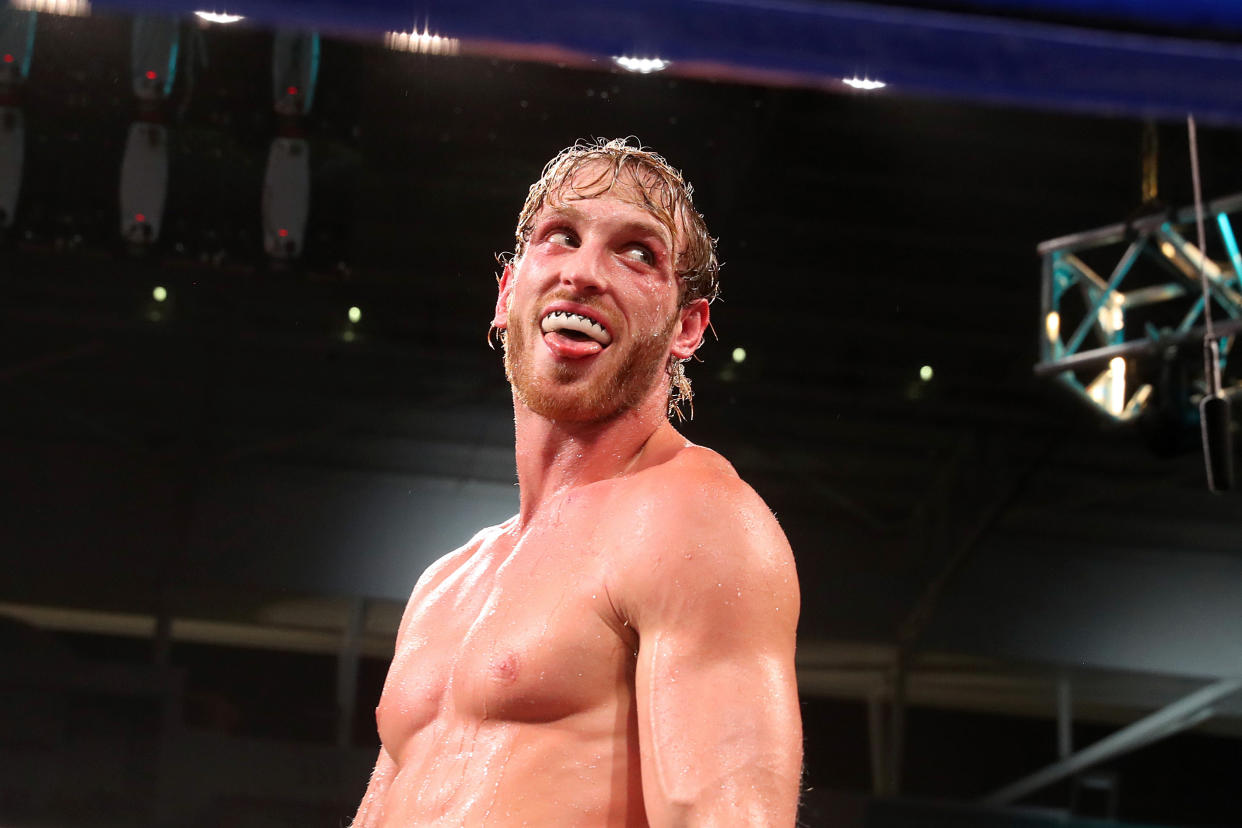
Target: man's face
(591, 308)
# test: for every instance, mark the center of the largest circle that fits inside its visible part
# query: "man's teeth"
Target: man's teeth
(566, 321)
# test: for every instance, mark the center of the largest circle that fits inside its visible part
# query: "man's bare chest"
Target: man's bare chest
(518, 630)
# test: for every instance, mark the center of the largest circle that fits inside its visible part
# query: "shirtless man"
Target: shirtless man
(620, 652)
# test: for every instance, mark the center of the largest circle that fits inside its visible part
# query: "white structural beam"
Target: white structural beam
(1181, 714)
(1065, 718)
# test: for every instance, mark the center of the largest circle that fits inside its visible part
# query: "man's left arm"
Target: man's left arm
(716, 611)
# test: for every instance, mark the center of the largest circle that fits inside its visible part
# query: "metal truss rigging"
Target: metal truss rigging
(1100, 334)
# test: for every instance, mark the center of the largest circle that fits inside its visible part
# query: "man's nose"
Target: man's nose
(584, 272)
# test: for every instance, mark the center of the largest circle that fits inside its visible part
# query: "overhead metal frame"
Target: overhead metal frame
(1108, 300)
(1181, 715)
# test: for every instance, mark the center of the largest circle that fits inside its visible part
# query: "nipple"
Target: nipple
(506, 669)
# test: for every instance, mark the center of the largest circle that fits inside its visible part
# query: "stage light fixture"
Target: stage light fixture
(1117, 386)
(1111, 317)
(1052, 326)
(739, 355)
(926, 373)
(643, 66)
(218, 17)
(160, 293)
(1108, 389)
(1145, 309)
(422, 42)
(68, 8)
(355, 315)
(864, 84)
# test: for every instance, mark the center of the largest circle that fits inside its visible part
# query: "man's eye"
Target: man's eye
(639, 253)
(563, 237)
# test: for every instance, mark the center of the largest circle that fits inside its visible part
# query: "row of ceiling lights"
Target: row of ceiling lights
(426, 42)
(415, 41)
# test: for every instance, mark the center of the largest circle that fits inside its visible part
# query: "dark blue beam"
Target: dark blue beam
(919, 52)
(1200, 15)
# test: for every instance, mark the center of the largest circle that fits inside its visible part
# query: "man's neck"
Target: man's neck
(553, 457)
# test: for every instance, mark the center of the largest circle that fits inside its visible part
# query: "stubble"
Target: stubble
(570, 394)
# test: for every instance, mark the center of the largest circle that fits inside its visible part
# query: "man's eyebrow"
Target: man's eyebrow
(560, 210)
(651, 229)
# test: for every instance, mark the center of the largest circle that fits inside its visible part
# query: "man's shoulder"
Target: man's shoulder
(695, 502)
(697, 483)
(450, 561)
(699, 460)
(693, 526)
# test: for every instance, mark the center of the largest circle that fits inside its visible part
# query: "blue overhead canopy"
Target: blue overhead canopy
(1181, 14)
(917, 51)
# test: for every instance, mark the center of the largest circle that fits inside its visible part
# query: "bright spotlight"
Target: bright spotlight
(355, 315)
(1115, 396)
(160, 293)
(739, 354)
(644, 66)
(926, 373)
(1052, 324)
(218, 17)
(865, 84)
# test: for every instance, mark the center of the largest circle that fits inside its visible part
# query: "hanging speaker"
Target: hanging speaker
(144, 182)
(17, 32)
(12, 153)
(286, 198)
(153, 56)
(1215, 420)
(295, 71)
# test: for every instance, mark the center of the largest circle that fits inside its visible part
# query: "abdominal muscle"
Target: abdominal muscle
(577, 771)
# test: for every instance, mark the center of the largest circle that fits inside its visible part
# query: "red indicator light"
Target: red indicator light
(282, 232)
(150, 74)
(8, 58)
(140, 218)
(292, 90)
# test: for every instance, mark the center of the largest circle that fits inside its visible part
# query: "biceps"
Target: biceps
(719, 737)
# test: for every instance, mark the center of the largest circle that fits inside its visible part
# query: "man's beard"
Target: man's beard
(565, 397)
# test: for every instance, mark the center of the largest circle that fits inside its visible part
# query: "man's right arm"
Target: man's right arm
(714, 599)
(371, 811)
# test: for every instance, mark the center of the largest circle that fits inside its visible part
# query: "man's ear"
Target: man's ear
(500, 320)
(690, 329)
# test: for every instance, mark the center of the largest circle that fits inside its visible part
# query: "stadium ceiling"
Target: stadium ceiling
(1122, 57)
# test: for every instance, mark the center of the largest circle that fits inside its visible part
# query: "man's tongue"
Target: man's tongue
(571, 346)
